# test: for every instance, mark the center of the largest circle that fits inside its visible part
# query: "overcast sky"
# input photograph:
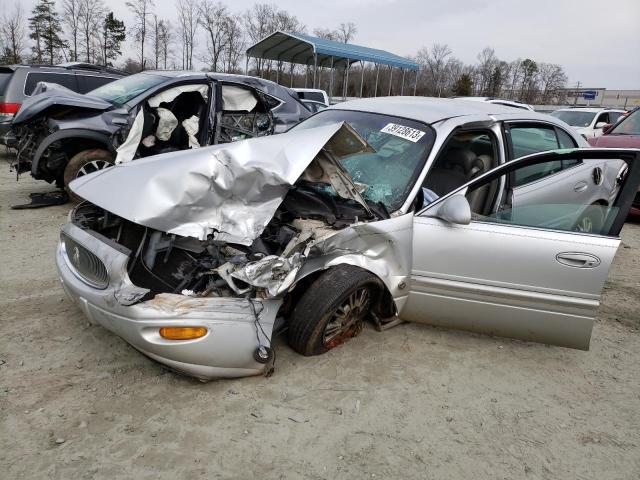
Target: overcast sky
(596, 41)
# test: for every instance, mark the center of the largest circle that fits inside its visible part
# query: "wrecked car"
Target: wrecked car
(383, 210)
(63, 135)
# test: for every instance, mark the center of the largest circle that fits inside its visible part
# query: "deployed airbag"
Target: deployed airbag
(238, 99)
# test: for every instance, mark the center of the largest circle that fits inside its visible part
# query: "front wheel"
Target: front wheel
(83, 163)
(333, 309)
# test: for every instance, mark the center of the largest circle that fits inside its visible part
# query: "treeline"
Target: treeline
(209, 35)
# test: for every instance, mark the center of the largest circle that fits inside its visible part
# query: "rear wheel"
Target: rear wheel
(333, 309)
(84, 163)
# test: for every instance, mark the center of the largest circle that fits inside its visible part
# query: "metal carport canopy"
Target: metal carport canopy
(300, 48)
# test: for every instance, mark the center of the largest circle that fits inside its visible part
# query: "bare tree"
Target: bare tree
(486, 63)
(91, 15)
(141, 10)
(326, 33)
(187, 26)
(258, 23)
(347, 31)
(71, 18)
(235, 44)
(14, 33)
(434, 61)
(214, 18)
(165, 37)
(552, 80)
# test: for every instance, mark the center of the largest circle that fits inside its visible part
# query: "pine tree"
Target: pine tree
(113, 34)
(463, 86)
(46, 31)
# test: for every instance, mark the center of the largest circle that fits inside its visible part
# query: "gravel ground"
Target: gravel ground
(412, 402)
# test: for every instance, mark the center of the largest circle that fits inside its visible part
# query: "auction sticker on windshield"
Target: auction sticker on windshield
(408, 133)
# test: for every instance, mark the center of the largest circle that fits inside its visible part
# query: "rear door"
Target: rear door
(522, 271)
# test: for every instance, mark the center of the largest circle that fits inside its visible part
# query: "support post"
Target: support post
(315, 68)
(331, 83)
(390, 79)
(291, 75)
(246, 66)
(345, 90)
(415, 85)
(277, 74)
(377, 75)
(362, 78)
(306, 75)
(402, 87)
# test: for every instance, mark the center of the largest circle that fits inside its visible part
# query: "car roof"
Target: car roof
(431, 110)
(589, 109)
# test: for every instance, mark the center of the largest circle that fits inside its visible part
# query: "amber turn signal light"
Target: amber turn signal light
(182, 333)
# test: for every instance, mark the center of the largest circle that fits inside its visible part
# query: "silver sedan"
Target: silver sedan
(461, 214)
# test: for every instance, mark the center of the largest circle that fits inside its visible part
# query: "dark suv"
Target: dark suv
(17, 82)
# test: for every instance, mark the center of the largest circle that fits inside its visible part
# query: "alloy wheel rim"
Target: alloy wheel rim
(345, 318)
(92, 166)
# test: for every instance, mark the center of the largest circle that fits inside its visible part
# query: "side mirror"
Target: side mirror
(455, 209)
(601, 124)
(606, 127)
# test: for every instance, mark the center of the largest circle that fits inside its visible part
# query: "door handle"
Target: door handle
(580, 187)
(578, 260)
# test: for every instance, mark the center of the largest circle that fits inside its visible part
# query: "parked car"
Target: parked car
(435, 211)
(588, 122)
(314, 94)
(313, 106)
(624, 134)
(499, 101)
(17, 83)
(63, 135)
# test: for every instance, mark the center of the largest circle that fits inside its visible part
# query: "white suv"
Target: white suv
(588, 122)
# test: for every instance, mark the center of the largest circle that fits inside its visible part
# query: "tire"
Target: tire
(87, 161)
(591, 220)
(316, 324)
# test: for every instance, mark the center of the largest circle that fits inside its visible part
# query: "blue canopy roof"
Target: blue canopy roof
(300, 48)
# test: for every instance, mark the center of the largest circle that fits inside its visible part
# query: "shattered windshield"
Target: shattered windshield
(575, 118)
(123, 90)
(399, 150)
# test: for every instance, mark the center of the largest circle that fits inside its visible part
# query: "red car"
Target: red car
(624, 134)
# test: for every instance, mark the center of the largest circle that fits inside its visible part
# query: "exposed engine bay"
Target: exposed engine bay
(168, 263)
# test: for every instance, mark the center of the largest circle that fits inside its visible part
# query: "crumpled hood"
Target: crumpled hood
(230, 190)
(47, 95)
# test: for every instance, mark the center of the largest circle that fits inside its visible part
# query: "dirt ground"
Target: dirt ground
(412, 402)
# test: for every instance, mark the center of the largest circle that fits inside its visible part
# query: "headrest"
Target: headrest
(464, 159)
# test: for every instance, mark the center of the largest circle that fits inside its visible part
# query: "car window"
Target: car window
(575, 118)
(4, 80)
(464, 156)
(65, 79)
(317, 96)
(550, 202)
(121, 91)
(528, 140)
(628, 126)
(565, 140)
(614, 116)
(86, 83)
(604, 117)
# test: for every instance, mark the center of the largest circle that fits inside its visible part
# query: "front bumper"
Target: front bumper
(232, 333)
